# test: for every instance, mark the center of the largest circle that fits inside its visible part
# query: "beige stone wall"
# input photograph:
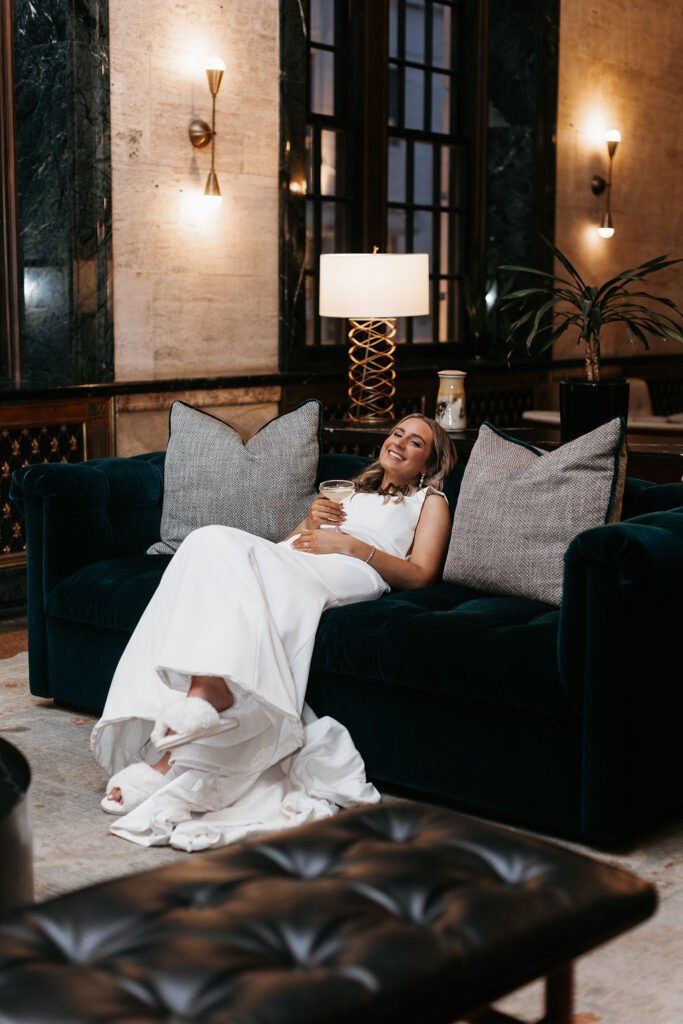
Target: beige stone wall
(142, 420)
(195, 293)
(621, 67)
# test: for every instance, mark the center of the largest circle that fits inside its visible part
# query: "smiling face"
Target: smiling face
(405, 453)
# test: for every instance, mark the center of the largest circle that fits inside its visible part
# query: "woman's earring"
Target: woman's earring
(422, 479)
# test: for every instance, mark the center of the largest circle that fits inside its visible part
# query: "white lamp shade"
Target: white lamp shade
(373, 286)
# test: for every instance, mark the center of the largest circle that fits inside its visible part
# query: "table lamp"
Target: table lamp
(371, 290)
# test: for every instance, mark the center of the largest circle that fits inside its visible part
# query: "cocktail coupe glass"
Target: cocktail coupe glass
(336, 490)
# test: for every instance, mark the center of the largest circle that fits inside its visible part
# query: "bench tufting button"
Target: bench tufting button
(304, 862)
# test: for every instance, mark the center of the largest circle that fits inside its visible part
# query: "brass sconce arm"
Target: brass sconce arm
(600, 185)
(201, 133)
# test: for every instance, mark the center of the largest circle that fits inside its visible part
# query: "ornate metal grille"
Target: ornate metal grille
(503, 408)
(23, 446)
(666, 394)
(336, 411)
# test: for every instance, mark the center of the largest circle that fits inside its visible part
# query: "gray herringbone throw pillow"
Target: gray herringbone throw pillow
(519, 508)
(211, 477)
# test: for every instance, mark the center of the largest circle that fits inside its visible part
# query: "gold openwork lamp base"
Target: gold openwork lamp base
(371, 370)
(372, 290)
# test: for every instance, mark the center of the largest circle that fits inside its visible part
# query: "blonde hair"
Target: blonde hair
(442, 459)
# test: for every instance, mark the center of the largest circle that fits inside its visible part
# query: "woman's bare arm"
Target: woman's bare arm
(427, 556)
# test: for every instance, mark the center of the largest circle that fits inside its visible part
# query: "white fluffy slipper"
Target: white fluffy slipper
(191, 719)
(137, 781)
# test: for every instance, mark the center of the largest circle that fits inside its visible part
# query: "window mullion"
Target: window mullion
(401, 15)
(317, 227)
(428, 73)
(454, 223)
(376, 123)
(410, 196)
(436, 243)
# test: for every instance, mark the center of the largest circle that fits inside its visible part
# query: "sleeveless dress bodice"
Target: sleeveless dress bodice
(386, 524)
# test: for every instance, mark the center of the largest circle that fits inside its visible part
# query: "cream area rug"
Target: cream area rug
(635, 979)
(72, 846)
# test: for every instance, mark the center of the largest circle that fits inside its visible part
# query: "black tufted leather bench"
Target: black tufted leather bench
(16, 855)
(392, 913)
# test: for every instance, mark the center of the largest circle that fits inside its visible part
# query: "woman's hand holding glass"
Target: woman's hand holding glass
(327, 511)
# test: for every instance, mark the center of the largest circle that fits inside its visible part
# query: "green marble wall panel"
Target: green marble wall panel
(292, 214)
(64, 190)
(522, 84)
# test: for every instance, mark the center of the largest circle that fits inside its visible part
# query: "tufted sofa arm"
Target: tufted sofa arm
(612, 571)
(618, 642)
(79, 514)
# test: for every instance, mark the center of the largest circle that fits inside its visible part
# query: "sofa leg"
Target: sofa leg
(559, 1000)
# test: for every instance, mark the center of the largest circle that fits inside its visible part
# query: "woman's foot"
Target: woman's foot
(132, 785)
(212, 689)
(215, 692)
(200, 714)
(161, 766)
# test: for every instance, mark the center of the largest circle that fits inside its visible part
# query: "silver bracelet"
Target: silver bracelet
(370, 555)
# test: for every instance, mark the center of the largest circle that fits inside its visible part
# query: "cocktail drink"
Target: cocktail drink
(336, 490)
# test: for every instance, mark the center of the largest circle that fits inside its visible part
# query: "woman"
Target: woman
(205, 725)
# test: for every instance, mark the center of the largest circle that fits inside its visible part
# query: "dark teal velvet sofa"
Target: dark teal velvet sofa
(568, 720)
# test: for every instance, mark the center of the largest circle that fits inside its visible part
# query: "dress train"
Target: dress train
(234, 605)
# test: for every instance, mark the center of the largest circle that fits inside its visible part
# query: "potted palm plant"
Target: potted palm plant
(587, 308)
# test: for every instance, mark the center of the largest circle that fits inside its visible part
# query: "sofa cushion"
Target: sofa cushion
(520, 508)
(449, 639)
(111, 595)
(211, 477)
(462, 642)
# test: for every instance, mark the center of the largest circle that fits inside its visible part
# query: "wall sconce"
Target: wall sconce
(201, 134)
(599, 185)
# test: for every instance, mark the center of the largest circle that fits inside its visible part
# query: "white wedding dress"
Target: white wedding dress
(234, 605)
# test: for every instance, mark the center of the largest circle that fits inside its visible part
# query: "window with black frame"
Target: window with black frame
(391, 140)
(424, 155)
(328, 200)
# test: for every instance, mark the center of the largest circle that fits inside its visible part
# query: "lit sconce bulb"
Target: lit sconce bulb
(214, 73)
(612, 138)
(298, 187)
(606, 229)
(212, 192)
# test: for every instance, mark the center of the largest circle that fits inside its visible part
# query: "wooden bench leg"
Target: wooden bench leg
(559, 995)
(559, 1000)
